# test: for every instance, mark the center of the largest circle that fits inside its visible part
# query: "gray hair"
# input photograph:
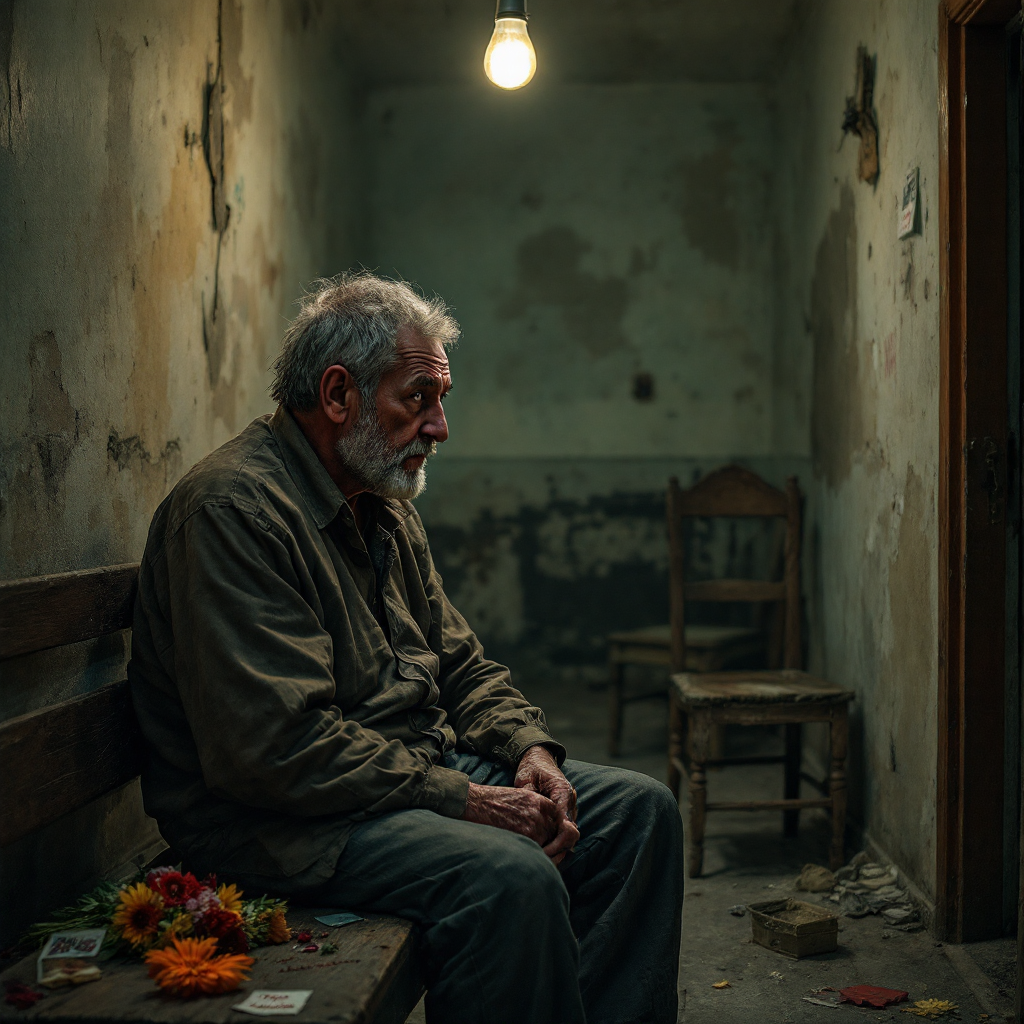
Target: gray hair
(353, 320)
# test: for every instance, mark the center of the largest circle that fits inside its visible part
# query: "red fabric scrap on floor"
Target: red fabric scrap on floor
(20, 995)
(870, 995)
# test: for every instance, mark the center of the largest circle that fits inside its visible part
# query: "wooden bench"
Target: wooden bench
(61, 757)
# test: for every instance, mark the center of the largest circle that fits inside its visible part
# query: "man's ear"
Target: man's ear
(339, 396)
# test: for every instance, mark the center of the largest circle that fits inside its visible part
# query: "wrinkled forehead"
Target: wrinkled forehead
(420, 357)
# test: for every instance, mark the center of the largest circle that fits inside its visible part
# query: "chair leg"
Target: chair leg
(794, 758)
(698, 739)
(676, 741)
(837, 786)
(616, 672)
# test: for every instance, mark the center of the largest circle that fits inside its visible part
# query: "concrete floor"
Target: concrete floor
(746, 860)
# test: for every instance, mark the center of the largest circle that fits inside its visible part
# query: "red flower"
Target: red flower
(226, 927)
(174, 887)
(303, 936)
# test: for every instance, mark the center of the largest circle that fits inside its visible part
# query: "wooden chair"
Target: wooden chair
(701, 702)
(61, 757)
(708, 649)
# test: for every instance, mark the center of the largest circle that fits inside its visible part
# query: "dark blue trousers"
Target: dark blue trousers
(509, 937)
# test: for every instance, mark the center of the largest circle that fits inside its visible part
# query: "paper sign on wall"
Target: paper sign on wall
(908, 208)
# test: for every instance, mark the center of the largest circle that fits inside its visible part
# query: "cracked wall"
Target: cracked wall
(163, 200)
(859, 329)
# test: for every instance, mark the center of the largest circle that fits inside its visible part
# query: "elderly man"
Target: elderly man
(323, 724)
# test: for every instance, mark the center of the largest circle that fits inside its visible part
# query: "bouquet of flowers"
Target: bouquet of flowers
(193, 934)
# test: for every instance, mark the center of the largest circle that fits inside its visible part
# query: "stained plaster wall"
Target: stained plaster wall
(136, 336)
(859, 331)
(585, 234)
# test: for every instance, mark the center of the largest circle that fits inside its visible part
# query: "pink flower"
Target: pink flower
(204, 900)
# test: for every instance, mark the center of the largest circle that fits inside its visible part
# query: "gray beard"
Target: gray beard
(371, 458)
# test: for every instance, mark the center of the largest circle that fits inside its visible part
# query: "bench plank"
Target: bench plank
(373, 977)
(61, 757)
(65, 608)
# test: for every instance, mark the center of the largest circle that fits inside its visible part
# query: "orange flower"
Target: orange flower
(230, 897)
(278, 930)
(138, 918)
(190, 968)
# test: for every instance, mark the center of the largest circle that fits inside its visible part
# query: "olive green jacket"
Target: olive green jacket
(281, 695)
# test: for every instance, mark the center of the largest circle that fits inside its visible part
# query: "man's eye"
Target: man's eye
(418, 395)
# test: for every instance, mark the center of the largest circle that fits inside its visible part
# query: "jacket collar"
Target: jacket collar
(321, 494)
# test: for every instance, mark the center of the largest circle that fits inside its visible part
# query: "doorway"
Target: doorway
(978, 803)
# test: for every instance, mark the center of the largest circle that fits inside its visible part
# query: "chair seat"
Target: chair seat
(788, 686)
(698, 637)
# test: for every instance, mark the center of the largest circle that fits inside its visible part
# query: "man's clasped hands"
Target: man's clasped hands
(541, 805)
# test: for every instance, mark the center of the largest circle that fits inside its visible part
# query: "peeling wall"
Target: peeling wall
(171, 175)
(859, 329)
(610, 252)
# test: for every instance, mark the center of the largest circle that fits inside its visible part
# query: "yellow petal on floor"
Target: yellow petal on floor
(931, 1009)
(721, 984)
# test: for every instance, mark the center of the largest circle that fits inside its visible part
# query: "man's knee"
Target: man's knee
(649, 813)
(515, 872)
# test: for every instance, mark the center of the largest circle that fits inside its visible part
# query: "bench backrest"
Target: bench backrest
(59, 758)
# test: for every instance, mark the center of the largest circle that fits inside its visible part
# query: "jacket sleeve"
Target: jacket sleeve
(254, 670)
(488, 714)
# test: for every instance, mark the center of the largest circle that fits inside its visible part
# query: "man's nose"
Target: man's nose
(436, 426)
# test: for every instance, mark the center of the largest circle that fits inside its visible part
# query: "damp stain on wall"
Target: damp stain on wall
(705, 202)
(544, 584)
(549, 273)
(837, 424)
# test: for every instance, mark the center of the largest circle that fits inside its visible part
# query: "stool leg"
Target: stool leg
(698, 737)
(837, 786)
(676, 741)
(794, 757)
(616, 672)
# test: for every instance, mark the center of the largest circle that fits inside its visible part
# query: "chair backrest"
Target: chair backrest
(61, 757)
(734, 492)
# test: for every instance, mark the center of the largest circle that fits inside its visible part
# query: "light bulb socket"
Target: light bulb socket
(511, 9)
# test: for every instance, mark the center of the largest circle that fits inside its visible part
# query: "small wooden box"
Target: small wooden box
(794, 928)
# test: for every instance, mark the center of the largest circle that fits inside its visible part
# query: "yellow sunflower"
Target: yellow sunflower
(138, 918)
(189, 968)
(230, 897)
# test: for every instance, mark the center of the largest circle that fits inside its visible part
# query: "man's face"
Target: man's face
(388, 447)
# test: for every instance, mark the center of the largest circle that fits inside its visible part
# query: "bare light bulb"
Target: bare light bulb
(510, 59)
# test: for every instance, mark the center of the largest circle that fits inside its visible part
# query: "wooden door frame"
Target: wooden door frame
(972, 467)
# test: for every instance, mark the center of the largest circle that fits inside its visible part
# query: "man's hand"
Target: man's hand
(538, 772)
(517, 810)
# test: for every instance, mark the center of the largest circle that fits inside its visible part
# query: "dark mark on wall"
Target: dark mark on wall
(55, 424)
(581, 569)
(123, 449)
(548, 273)
(213, 150)
(704, 201)
(532, 198)
(837, 429)
(6, 49)
(643, 387)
